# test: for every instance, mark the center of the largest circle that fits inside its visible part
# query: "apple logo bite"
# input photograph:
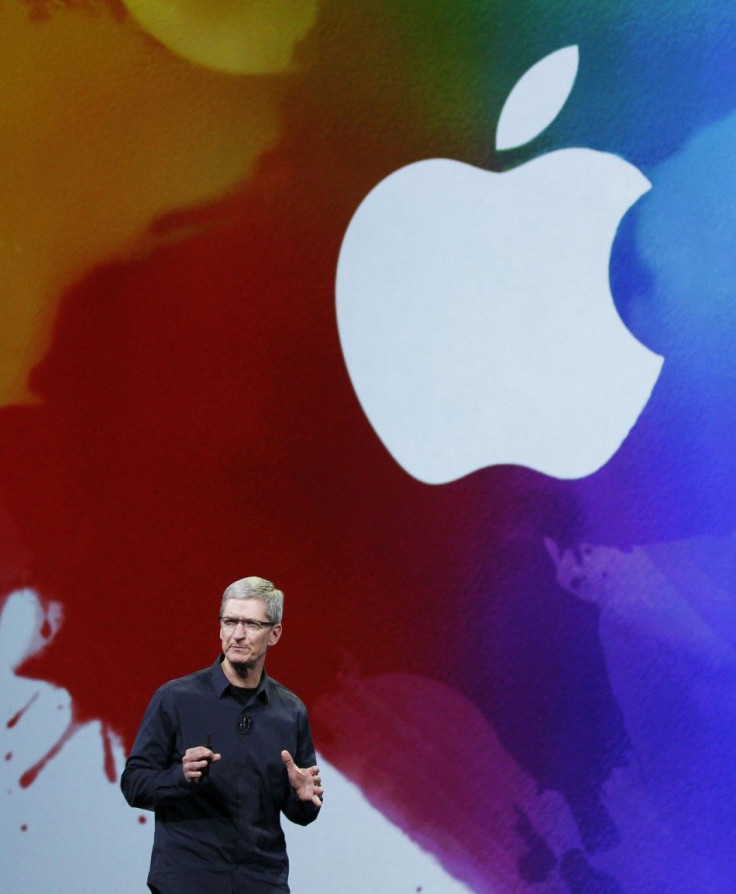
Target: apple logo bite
(474, 308)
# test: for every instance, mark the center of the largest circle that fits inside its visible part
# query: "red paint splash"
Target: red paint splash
(17, 716)
(196, 442)
(109, 762)
(196, 423)
(30, 776)
(46, 628)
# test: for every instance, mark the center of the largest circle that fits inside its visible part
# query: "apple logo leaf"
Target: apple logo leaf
(537, 98)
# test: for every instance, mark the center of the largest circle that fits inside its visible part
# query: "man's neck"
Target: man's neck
(242, 676)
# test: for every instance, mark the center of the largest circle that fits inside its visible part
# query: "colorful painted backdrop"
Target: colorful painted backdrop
(311, 289)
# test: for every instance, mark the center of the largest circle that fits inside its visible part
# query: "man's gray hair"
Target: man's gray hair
(260, 589)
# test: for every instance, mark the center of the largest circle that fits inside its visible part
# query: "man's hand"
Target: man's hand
(195, 760)
(306, 783)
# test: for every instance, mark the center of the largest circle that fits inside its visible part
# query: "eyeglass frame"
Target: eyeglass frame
(250, 625)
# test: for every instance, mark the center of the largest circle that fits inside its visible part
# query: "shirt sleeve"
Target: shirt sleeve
(302, 812)
(153, 772)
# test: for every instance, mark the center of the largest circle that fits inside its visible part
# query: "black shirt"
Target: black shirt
(223, 834)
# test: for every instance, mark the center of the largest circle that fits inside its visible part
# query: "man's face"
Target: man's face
(240, 645)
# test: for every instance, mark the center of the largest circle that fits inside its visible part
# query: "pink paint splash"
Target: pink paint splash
(394, 734)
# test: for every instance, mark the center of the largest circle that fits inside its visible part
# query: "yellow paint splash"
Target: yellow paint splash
(238, 36)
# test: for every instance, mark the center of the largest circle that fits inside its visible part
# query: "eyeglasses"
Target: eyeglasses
(249, 624)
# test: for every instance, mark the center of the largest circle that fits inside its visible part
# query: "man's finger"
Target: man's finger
(197, 753)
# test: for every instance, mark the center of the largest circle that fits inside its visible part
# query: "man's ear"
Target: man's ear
(275, 635)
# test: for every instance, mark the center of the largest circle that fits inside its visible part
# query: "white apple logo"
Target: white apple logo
(474, 308)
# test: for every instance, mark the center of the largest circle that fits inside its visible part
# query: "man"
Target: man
(213, 759)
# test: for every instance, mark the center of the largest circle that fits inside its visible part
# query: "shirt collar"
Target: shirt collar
(221, 682)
